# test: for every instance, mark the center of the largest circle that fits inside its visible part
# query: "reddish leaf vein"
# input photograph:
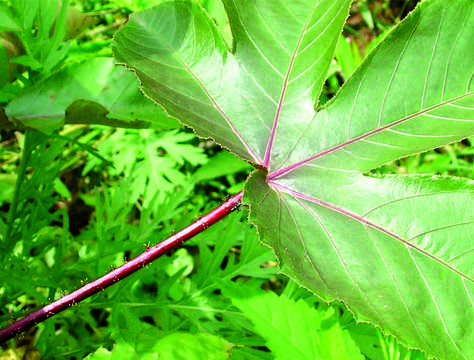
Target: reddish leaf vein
(354, 216)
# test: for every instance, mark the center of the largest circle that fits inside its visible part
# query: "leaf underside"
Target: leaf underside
(396, 249)
(282, 323)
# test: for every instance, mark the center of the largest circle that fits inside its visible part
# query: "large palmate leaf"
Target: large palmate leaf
(94, 91)
(396, 249)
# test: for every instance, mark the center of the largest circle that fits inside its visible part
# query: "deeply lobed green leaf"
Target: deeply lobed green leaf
(292, 329)
(395, 249)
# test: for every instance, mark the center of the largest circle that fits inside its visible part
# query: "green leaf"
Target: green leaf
(91, 92)
(293, 330)
(220, 165)
(282, 55)
(4, 65)
(387, 247)
(395, 249)
(185, 346)
(138, 340)
(42, 31)
(7, 20)
(141, 157)
(366, 14)
(391, 108)
(172, 143)
(345, 57)
(8, 186)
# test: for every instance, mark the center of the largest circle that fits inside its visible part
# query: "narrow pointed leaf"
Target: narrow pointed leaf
(396, 249)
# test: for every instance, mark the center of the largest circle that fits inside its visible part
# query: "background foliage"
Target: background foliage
(85, 198)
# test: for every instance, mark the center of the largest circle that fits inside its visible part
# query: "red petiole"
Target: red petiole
(125, 270)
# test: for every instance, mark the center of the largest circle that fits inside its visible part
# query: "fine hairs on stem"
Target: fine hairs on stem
(125, 270)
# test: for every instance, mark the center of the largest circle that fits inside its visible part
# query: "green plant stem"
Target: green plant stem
(12, 212)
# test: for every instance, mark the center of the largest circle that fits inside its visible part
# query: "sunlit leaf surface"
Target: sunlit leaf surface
(396, 249)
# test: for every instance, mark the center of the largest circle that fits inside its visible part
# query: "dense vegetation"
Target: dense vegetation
(77, 200)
